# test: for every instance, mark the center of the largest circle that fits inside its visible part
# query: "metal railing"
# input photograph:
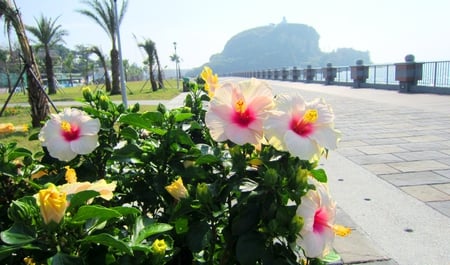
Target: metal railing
(433, 75)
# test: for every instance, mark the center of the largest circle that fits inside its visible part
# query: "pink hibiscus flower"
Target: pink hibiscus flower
(301, 128)
(70, 133)
(237, 112)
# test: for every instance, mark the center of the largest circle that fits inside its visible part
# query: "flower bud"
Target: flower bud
(159, 247)
(271, 177)
(52, 203)
(203, 193)
(296, 225)
(87, 94)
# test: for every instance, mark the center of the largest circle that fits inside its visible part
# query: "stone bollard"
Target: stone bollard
(284, 74)
(309, 74)
(359, 73)
(269, 74)
(295, 74)
(330, 74)
(408, 73)
(276, 74)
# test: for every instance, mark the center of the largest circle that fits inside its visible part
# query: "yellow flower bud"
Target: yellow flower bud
(159, 247)
(71, 175)
(177, 189)
(52, 203)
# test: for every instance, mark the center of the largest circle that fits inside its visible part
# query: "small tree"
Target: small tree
(48, 35)
(96, 50)
(36, 96)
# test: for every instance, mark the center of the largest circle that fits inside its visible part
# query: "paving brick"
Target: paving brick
(421, 155)
(443, 187)
(414, 178)
(374, 159)
(441, 206)
(378, 169)
(411, 166)
(380, 149)
(426, 193)
(445, 173)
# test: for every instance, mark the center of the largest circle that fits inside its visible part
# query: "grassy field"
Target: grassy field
(21, 115)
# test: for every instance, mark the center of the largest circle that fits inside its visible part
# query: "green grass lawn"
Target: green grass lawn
(21, 115)
(135, 90)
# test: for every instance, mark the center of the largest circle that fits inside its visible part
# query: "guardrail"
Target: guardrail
(407, 77)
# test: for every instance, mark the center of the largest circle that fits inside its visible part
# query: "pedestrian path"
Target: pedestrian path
(390, 174)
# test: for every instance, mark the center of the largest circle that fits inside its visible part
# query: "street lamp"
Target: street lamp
(176, 64)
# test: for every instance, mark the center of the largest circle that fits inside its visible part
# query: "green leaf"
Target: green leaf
(179, 117)
(65, 259)
(127, 210)
(207, 159)
(248, 185)
(95, 211)
(250, 248)
(152, 229)
(80, 198)
(144, 121)
(198, 236)
(319, 174)
(110, 241)
(18, 234)
(181, 225)
(129, 133)
(6, 251)
(19, 152)
(128, 153)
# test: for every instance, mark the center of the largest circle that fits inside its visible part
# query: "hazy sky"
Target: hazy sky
(388, 29)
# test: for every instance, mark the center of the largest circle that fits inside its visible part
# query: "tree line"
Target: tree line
(47, 53)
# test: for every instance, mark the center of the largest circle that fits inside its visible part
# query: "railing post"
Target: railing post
(408, 73)
(284, 74)
(329, 73)
(309, 74)
(295, 74)
(359, 73)
(276, 74)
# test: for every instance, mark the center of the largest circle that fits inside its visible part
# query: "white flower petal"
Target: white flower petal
(85, 144)
(302, 147)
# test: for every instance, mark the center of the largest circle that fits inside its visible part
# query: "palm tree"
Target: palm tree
(96, 50)
(36, 95)
(48, 34)
(149, 47)
(103, 13)
(152, 58)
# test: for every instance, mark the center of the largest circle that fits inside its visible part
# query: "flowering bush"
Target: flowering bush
(231, 177)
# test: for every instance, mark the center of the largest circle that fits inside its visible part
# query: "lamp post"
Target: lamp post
(122, 73)
(176, 65)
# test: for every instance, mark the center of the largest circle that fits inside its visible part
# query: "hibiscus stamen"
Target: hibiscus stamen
(69, 131)
(311, 116)
(242, 116)
(341, 230)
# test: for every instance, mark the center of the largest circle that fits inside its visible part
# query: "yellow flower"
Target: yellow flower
(211, 80)
(10, 128)
(177, 189)
(29, 261)
(71, 175)
(52, 203)
(159, 247)
(100, 186)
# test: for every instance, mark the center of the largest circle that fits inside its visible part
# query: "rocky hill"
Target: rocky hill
(275, 46)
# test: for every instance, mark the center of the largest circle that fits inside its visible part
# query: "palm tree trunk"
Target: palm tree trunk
(50, 74)
(160, 77)
(152, 77)
(36, 96)
(115, 72)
